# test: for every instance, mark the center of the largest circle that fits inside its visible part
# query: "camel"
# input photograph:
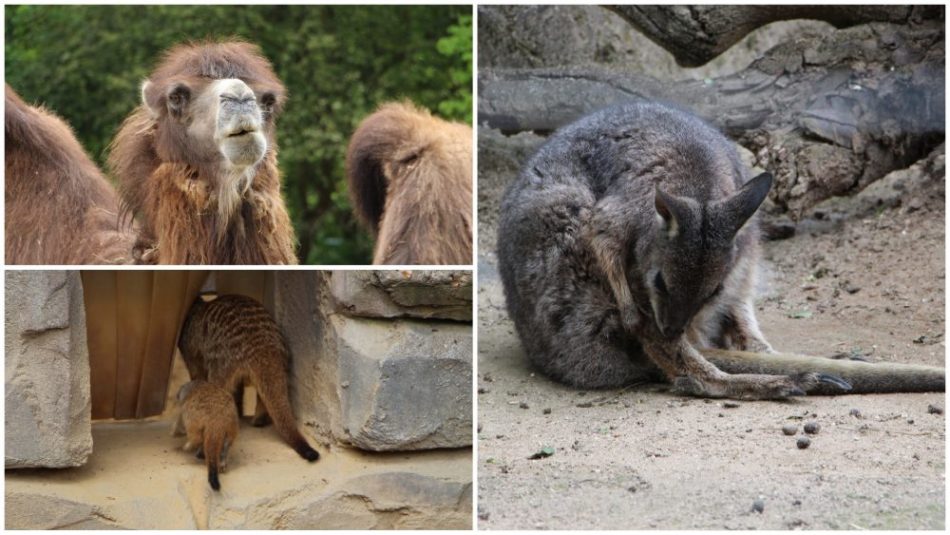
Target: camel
(197, 160)
(410, 181)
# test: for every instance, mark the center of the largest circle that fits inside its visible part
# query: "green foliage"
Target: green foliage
(338, 62)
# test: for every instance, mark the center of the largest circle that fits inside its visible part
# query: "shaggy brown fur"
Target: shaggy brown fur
(59, 207)
(210, 420)
(233, 340)
(410, 178)
(175, 183)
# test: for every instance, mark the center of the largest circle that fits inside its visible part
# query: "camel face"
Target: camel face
(238, 122)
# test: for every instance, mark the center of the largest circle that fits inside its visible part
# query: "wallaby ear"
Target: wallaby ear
(736, 210)
(671, 211)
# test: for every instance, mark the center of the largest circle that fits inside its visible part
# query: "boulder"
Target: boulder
(398, 294)
(404, 385)
(47, 415)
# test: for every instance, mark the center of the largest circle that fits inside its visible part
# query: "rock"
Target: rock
(789, 429)
(404, 294)
(934, 409)
(301, 301)
(267, 486)
(803, 442)
(380, 501)
(812, 428)
(758, 505)
(47, 415)
(410, 385)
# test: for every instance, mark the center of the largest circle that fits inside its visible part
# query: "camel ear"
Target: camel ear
(153, 113)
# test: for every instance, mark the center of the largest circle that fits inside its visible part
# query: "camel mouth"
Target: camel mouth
(242, 132)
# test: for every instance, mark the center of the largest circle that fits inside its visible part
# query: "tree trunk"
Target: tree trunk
(826, 115)
(697, 34)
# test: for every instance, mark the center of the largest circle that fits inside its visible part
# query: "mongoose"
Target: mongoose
(628, 243)
(233, 339)
(209, 419)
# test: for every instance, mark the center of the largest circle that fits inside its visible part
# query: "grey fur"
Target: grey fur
(639, 190)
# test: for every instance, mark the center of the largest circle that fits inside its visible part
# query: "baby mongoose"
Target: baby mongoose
(209, 419)
(232, 340)
(628, 251)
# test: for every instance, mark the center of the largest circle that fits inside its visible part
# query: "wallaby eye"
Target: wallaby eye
(658, 284)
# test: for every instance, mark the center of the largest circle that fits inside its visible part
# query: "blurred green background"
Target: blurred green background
(338, 63)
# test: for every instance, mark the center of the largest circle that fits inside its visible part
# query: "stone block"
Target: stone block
(301, 304)
(398, 294)
(47, 413)
(404, 385)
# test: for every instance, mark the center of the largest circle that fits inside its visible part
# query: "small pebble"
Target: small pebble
(523, 405)
(803, 442)
(789, 429)
(483, 390)
(758, 506)
(856, 413)
(730, 405)
(546, 411)
(812, 428)
(934, 409)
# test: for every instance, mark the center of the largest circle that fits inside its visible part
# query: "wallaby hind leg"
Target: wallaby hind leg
(740, 330)
(693, 375)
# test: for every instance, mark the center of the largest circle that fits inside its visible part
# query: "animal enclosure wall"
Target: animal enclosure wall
(133, 320)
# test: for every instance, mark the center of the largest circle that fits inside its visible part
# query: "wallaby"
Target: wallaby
(210, 421)
(233, 339)
(628, 244)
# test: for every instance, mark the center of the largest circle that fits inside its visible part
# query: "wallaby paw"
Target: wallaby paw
(685, 385)
(826, 383)
(630, 319)
(773, 388)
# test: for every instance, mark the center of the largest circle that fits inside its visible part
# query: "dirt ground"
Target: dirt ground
(864, 275)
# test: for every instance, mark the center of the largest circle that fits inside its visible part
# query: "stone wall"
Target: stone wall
(47, 416)
(382, 359)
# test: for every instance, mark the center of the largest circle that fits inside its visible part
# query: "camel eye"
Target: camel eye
(268, 100)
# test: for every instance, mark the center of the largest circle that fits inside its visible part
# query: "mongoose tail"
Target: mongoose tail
(213, 443)
(864, 377)
(273, 393)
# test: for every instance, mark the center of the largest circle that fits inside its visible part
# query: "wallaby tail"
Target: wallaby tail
(212, 449)
(864, 377)
(275, 396)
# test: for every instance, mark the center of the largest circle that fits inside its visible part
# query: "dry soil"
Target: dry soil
(864, 276)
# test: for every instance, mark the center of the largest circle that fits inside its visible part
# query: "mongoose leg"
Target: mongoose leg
(261, 418)
(178, 428)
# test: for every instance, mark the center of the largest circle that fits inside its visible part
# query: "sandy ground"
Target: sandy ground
(138, 477)
(855, 279)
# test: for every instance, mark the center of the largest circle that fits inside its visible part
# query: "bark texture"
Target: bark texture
(827, 114)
